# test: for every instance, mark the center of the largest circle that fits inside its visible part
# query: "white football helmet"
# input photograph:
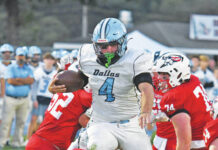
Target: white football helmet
(176, 65)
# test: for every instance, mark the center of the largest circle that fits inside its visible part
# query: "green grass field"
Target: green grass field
(10, 148)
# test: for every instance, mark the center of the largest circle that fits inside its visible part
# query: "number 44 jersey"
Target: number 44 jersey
(114, 92)
(61, 118)
(191, 98)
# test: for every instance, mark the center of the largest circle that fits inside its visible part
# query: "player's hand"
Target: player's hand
(35, 104)
(65, 62)
(144, 119)
(56, 88)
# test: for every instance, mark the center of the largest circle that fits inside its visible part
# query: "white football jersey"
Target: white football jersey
(3, 67)
(114, 92)
(43, 80)
(34, 68)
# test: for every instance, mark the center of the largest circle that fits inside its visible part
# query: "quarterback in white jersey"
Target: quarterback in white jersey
(114, 74)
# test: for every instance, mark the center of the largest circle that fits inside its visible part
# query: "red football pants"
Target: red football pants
(37, 143)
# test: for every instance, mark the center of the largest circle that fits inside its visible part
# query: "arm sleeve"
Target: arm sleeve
(143, 77)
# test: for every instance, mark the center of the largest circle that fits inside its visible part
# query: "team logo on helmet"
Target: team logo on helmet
(169, 60)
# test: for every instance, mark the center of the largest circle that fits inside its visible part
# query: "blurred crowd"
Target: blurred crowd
(206, 70)
(32, 70)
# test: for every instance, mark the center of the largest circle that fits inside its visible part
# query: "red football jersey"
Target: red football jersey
(190, 97)
(210, 132)
(164, 129)
(61, 118)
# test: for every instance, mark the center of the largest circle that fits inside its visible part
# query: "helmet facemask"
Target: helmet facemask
(160, 83)
(110, 58)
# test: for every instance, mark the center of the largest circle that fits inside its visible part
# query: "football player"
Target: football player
(7, 52)
(60, 124)
(185, 101)
(34, 55)
(61, 121)
(165, 138)
(211, 131)
(115, 72)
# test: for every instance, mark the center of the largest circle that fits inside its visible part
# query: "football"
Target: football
(71, 79)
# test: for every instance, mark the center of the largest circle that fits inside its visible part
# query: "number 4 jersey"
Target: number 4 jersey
(114, 92)
(191, 98)
(61, 118)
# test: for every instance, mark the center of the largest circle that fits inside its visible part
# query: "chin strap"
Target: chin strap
(109, 57)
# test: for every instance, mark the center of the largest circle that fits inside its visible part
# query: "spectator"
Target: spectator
(18, 77)
(34, 56)
(214, 91)
(194, 63)
(6, 51)
(42, 98)
(74, 53)
(205, 75)
(212, 64)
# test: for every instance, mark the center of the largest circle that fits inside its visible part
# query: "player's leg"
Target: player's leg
(8, 114)
(33, 123)
(21, 117)
(37, 143)
(1, 107)
(42, 109)
(100, 137)
(131, 136)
